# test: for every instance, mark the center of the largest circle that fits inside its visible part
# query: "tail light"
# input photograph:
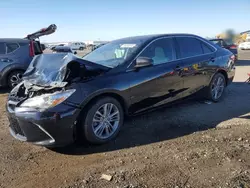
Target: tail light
(31, 49)
(233, 47)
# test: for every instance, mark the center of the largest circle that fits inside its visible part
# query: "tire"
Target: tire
(218, 81)
(14, 78)
(88, 125)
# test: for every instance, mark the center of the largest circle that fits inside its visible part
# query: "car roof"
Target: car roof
(155, 36)
(13, 40)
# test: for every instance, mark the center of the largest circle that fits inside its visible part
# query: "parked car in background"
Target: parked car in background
(63, 49)
(77, 45)
(52, 47)
(16, 55)
(97, 46)
(88, 97)
(224, 44)
(245, 45)
(227, 45)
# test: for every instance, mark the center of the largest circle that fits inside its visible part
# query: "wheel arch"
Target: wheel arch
(91, 100)
(8, 70)
(224, 73)
(115, 95)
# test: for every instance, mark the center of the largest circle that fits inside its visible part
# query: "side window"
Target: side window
(189, 47)
(11, 47)
(2, 48)
(206, 49)
(161, 51)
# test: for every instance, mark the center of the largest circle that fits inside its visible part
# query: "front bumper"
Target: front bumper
(51, 128)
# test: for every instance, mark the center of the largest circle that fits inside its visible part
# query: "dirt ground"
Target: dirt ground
(193, 144)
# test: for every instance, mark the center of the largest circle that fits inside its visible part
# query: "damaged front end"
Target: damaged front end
(52, 74)
(37, 108)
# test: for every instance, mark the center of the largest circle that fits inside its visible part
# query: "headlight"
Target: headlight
(48, 100)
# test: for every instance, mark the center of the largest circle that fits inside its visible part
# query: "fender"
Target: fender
(221, 70)
(116, 93)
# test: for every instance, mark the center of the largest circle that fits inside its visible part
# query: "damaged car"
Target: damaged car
(63, 97)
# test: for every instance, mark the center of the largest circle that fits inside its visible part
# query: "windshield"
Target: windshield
(115, 53)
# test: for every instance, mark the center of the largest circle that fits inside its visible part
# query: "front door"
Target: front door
(159, 83)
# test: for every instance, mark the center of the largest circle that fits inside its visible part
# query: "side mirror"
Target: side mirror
(143, 62)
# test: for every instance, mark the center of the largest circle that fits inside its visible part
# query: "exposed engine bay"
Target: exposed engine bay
(49, 73)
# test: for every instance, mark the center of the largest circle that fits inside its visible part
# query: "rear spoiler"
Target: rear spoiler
(44, 31)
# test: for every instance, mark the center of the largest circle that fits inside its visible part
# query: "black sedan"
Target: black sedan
(88, 97)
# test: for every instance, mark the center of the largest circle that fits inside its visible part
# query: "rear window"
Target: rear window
(23, 43)
(189, 47)
(2, 48)
(205, 48)
(11, 47)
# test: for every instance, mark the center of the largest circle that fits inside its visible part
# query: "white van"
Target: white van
(77, 45)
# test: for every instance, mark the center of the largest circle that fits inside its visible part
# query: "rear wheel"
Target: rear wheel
(102, 121)
(14, 78)
(217, 87)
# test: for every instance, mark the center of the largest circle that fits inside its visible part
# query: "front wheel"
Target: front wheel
(14, 78)
(216, 87)
(102, 121)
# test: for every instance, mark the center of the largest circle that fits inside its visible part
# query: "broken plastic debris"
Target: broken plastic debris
(106, 177)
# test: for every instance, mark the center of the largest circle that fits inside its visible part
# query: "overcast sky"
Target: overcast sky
(80, 20)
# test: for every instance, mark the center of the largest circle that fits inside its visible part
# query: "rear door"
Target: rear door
(195, 56)
(7, 52)
(14, 53)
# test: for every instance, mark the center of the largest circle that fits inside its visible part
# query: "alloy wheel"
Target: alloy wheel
(106, 121)
(15, 79)
(218, 86)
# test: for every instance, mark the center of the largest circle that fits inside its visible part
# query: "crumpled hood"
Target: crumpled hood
(49, 70)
